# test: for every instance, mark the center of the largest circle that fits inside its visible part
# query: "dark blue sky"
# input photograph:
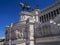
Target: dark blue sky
(9, 11)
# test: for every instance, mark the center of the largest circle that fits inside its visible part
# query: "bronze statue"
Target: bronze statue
(24, 6)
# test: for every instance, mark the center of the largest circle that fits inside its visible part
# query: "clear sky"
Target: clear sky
(9, 11)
